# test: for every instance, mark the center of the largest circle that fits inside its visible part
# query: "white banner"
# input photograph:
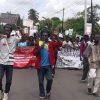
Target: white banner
(69, 58)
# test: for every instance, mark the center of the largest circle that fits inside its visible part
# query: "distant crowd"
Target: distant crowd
(46, 46)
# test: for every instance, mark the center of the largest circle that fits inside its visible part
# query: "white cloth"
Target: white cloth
(97, 81)
(92, 73)
(7, 48)
(91, 77)
(94, 79)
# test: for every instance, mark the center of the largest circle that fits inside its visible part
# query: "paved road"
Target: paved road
(66, 86)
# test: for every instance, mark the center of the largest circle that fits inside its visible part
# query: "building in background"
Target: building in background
(8, 18)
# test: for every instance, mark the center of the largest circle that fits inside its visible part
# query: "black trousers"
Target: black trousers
(8, 70)
(85, 68)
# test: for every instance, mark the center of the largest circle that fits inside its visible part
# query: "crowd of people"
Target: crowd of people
(46, 46)
(44, 52)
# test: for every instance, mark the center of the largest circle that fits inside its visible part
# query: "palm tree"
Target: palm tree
(46, 22)
(33, 15)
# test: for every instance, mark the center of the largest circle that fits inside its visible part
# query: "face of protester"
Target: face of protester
(44, 37)
(24, 38)
(7, 31)
(56, 32)
(31, 38)
(54, 37)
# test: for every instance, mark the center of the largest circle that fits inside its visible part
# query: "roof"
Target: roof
(9, 18)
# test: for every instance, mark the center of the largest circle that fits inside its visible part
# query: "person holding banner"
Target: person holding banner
(44, 52)
(23, 41)
(7, 47)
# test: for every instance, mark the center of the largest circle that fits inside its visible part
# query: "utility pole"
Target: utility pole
(92, 30)
(85, 21)
(63, 20)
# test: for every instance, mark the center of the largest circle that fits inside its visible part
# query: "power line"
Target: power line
(56, 12)
(66, 8)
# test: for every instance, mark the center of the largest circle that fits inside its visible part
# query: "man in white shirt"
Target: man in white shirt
(8, 44)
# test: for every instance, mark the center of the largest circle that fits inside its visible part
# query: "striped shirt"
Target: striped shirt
(7, 48)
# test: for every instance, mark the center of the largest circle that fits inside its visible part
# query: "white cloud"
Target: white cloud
(20, 1)
(53, 6)
(71, 7)
(46, 8)
(2, 2)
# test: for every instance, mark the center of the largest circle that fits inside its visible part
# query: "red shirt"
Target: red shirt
(51, 48)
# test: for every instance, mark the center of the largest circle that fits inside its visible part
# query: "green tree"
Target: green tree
(55, 22)
(95, 16)
(77, 24)
(46, 22)
(19, 22)
(1, 29)
(33, 15)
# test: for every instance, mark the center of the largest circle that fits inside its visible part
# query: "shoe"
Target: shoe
(83, 81)
(42, 98)
(48, 95)
(1, 95)
(5, 97)
(53, 75)
(96, 94)
(89, 91)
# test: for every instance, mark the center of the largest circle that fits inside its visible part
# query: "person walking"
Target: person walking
(44, 52)
(93, 53)
(7, 47)
(83, 47)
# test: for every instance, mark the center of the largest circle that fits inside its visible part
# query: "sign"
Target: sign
(23, 57)
(28, 23)
(26, 30)
(33, 30)
(70, 32)
(66, 32)
(88, 29)
(60, 35)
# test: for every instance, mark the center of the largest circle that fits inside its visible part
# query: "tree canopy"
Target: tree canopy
(78, 23)
(33, 15)
(55, 22)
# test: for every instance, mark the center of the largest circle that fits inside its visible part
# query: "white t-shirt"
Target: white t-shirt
(7, 48)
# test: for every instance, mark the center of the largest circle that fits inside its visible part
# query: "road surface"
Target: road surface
(66, 86)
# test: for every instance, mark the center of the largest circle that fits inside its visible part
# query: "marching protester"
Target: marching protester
(31, 41)
(8, 43)
(82, 48)
(44, 52)
(93, 54)
(23, 41)
(85, 42)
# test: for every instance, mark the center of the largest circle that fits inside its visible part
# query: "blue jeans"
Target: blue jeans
(47, 73)
(8, 70)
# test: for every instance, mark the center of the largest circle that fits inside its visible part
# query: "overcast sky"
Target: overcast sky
(46, 8)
